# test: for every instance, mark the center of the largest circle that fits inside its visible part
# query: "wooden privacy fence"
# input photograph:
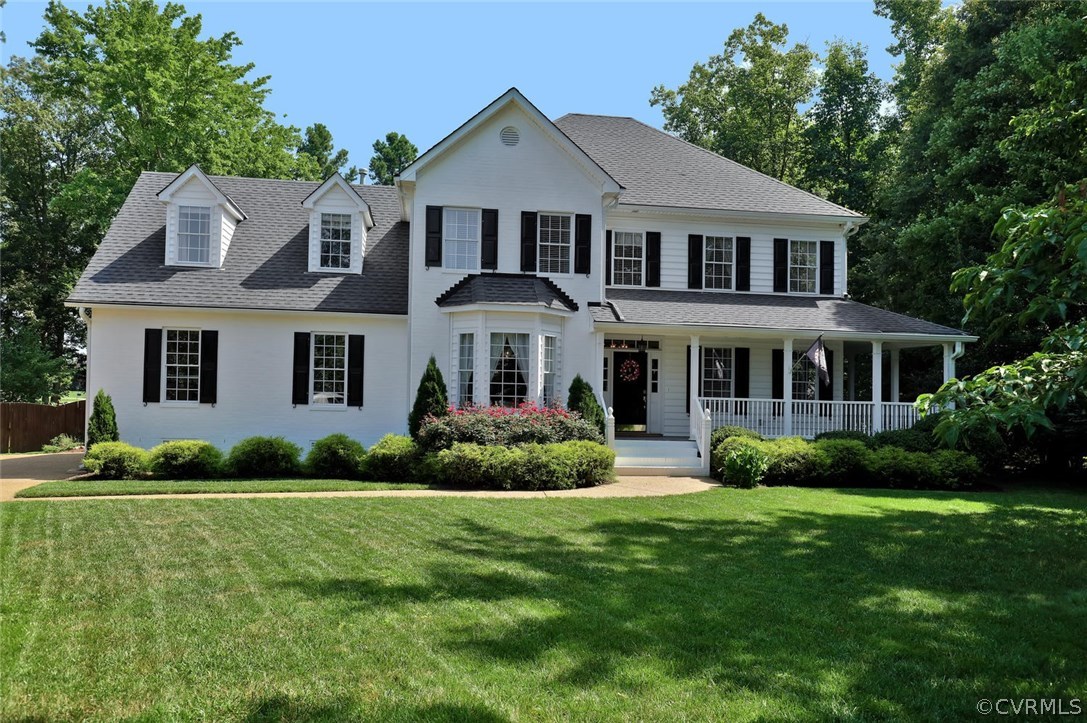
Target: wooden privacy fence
(26, 427)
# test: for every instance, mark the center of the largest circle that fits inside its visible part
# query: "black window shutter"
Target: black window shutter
(687, 395)
(356, 355)
(433, 235)
(777, 371)
(742, 374)
(209, 366)
(652, 258)
(743, 263)
(300, 380)
(583, 243)
(152, 364)
(694, 261)
(781, 265)
(825, 392)
(528, 241)
(488, 258)
(607, 260)
(826, 267)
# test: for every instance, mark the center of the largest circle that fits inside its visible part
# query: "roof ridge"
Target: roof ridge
(356, 186)
(746, 168)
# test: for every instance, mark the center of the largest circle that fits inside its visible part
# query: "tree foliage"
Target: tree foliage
(28, 372)
(744, 103)
(390, 157)
(1037, 278)
(102, 425)
(317, 147)
(430, 398)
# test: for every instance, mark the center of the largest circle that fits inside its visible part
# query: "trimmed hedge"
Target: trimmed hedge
(264, 457)
(337, 456)
(505, 426)
(719, 435)
(848, 434)
(186, 459)
(116, 460)
(393, 459)
(559, 466)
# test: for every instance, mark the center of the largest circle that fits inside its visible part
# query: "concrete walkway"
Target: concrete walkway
(22, 471)
(19, 471)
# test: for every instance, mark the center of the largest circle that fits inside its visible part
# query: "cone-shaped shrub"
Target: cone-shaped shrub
(429, 399)
(582, 400)
(102, 426)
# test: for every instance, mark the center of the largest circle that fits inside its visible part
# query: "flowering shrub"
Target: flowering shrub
(560, 466)
(505, 426)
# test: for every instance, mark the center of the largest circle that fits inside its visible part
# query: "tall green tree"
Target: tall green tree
(744, 103)
(317, 146)
(842, 134)
(390, 157)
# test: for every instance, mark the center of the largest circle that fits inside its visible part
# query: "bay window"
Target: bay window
(509, 371)
(547, 370)
(466, 364)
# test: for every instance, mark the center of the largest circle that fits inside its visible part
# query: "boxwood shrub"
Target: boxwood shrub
(718, 436)
(186, 459)
(506, 426)
(264, 457)
(862, 437)
(558, 466)
(116, 460)
(393, 459)
(336, 456)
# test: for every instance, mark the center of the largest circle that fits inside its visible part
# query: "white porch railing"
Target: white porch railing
(809, 418)
(701, 428)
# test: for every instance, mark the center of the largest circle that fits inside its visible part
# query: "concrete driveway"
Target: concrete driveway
(20, 471)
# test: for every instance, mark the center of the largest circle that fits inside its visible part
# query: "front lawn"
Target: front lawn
(768, 604)
(92, 487)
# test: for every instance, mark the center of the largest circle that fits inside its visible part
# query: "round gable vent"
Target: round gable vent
(510, 136)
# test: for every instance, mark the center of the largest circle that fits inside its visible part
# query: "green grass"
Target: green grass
(72, 396)
(767, 604)
(85, 487)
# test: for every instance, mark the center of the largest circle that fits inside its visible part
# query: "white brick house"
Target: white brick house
(518, 252)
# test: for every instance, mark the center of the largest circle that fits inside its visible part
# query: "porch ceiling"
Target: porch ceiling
(770, 314)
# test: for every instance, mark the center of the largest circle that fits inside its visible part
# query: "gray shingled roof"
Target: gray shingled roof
(520, 289)
(763, 311)
(266, 264)
(657, 169)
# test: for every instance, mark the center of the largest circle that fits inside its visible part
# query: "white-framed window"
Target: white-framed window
(181, 357)
(508, 368)
(335, 241)
(466, 370)
(717, 373)
(329, 380)
(194, 234)
(717, 268)
(803, 266)
(627, 258)
(805, 377)
(547, 370)
(460, 238)
(553, 254)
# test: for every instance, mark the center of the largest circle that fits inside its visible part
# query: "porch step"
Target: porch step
(657, 457)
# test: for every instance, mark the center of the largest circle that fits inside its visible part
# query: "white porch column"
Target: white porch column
(696, 356)
(598, 381)
(838, 381)
(949, 362)
(877, 386)
(787, 385)
(895, 397)
(852, 378)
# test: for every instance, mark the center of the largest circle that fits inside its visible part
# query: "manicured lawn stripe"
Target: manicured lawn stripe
(739, 605)
(83, 488)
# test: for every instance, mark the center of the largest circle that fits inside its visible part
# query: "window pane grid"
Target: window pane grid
(194, 234)
(466, 361)
(329, 368)
(627, 249)
(182, 365)
(509, 369)
(461, 238)
(554, 253)
(548, 370)
(805, 376)
(718, 267)
(716, 372)
(802, 266)
(335, 241)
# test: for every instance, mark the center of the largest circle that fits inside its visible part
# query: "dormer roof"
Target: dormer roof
(338, 181)
(194, 172)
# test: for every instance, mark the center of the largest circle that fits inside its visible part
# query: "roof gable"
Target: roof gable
(193, 173)
(511, 96)
(336, 181)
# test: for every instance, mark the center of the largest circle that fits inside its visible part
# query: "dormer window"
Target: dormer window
(335, 241)
(193, 234)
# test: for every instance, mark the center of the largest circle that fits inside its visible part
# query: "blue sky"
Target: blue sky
(364, 69)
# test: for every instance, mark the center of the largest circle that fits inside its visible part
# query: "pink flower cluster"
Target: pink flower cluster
(524, 409)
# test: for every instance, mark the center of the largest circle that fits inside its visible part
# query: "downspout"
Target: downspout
(86, 318)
